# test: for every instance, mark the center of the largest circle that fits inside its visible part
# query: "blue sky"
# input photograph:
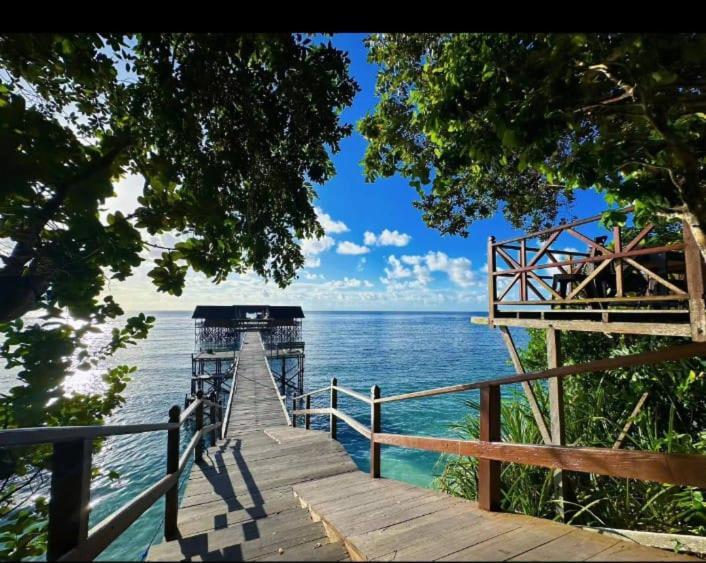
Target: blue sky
(399, 265)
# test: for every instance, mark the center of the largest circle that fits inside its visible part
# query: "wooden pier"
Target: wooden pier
(245, 500)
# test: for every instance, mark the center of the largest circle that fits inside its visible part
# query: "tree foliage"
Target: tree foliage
(525, 119)
(230, 133)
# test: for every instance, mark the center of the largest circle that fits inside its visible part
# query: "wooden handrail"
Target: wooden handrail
(189, 411)
(314, 392)
(226, 416)
(676, 469)
(565, 226)
(645, 358)
(353, 394)
(349, 420)
(17, 437)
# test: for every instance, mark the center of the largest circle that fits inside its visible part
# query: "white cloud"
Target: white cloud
(361, 264)
(458, 269)
(386, 238)
(330, 225)
(347, 247)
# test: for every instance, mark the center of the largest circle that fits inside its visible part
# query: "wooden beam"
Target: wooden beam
(659, 279)
(489, 470)
(492, 289)
(618, 247)
(526, 385)
(375, 427)
(652, 329)
(676, 469)
(629, 422)
(696, 282)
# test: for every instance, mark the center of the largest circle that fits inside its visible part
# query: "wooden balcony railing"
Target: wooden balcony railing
(612, 273)
(69, 538)
(676, 469)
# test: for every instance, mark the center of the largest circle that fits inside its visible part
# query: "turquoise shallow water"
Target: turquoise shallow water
(400, 352)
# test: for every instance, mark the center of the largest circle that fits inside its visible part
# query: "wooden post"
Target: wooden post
(488, 469)
(492, 292)
(556, 411)
(70, 496)
(307, 416)
(523, 275)
(375, 426)
(283, 378)
(618, 247)
(198, 450)
(294, 416)
(171, 497)
(212, 416)
(333, 421)
(696, 285)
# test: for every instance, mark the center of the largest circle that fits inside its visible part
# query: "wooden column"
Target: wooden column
(696, 285)
(70, 496)
(307, 416)
(171, 497)
(492, 291)
(489, 470)
(618, 247)
(212, 416)
(556, 411)
(198, 450)
(294, 416)
(333, 421)
(375, 426)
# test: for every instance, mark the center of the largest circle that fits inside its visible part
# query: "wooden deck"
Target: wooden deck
(244, 502)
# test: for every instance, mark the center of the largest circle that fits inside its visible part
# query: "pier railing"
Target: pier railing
(677, 469)
(69, 538)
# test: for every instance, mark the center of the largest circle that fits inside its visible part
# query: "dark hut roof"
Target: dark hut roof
(226, 312)
(286, 313)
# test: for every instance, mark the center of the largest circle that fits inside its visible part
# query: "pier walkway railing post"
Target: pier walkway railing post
(375, 426)
(294, 416)
(488, 469)
(171, 497)
(334, 405)
(198, 451)
(70, 496)
(212, 416)
(307, 416)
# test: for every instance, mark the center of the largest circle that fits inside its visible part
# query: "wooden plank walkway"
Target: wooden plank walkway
(244, 502)
(238, 504)
(381, 519)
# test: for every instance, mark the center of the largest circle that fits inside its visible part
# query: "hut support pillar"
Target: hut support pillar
(556, 414)
(526, 385)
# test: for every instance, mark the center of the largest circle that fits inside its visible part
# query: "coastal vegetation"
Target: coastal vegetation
(671, 420)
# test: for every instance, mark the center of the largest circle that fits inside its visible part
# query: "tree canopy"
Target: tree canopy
(522, 120)
(230, 132)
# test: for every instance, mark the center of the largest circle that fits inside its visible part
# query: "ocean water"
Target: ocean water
(400, 352)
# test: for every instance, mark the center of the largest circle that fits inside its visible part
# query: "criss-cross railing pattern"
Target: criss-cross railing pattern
(543, 268)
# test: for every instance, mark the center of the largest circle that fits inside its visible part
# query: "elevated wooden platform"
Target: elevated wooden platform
(244, 501)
